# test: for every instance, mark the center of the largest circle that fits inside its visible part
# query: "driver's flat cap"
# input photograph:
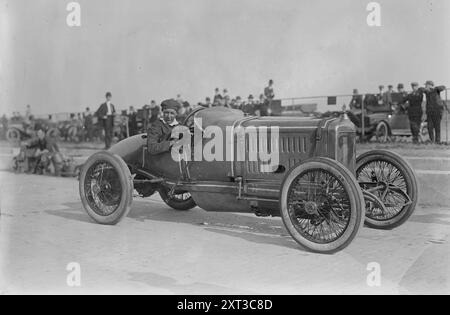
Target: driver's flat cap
(170, 105)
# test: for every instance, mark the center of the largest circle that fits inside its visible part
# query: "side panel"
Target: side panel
(294, 145)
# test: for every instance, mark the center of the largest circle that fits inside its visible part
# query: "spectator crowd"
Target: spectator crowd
(90, 124)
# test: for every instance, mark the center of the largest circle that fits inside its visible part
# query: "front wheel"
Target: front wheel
(322, 205)
(106, 188)
(390, 178)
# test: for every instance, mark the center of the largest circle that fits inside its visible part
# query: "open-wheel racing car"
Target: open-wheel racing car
(320, 189)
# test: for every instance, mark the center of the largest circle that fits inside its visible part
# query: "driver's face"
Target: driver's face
(169, 116)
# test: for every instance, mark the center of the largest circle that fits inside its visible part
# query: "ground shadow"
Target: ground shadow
(249, 228)
(434, 218)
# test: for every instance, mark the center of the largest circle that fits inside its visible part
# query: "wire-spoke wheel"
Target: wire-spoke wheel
(106, 188)
(176, 199)
(382, 132)
(321, 205)
(388, 177)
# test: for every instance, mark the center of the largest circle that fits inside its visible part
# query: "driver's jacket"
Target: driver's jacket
(159, 135)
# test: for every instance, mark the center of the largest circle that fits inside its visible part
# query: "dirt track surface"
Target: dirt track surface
(43, 228)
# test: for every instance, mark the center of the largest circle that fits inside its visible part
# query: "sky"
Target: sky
(150, 49)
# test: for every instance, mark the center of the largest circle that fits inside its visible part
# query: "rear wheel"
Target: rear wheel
(106, 188)
(178, 199)
(322, 205)
(390, 178)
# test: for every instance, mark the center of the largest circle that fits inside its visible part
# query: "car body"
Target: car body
(314, 180)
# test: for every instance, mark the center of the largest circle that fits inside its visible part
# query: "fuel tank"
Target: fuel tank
(131, 150)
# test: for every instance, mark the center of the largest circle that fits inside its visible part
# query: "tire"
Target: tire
(13, 135)
(177, 204)
(382, 132)
(109, 186)
(406, 183)
(313, 207)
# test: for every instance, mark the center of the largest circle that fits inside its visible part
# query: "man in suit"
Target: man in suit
(356, 101)
(414, 109)
(388, 96)
(159, 134)
(269, 93)
(435, 107)
(106, 113)
(132, 121)
(217, 97)
(88, 124)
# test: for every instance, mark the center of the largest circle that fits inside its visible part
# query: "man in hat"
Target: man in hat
(249, 107)
(184, 111)
(225, 93)
(155, 112)
(217, 97)
(4, 122)
(435, 107)
(356, 101)
(400, 95)
(208, 103)
(227, 101)
(387, 96)
(269, 94)
(413, 102)
(132, 122)
(88, 124)
(160, 132)
(106, 113)
(380, 95)
(239, 102)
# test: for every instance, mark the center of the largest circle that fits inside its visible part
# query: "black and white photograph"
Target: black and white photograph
(224, 152)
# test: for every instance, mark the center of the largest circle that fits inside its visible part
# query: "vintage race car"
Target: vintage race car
(322, 192)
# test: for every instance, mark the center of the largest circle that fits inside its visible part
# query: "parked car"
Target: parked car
(320, 189)
(383, 122)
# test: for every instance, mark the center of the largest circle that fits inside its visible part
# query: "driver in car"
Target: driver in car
(159, 134)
